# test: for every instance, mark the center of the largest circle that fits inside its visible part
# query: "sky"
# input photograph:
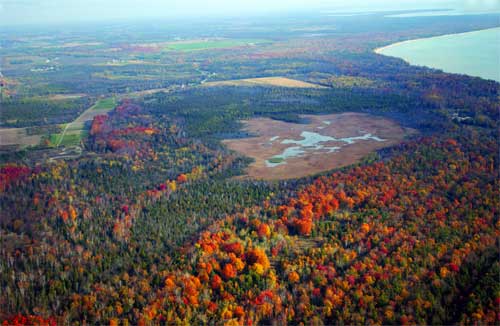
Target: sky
(21, 12)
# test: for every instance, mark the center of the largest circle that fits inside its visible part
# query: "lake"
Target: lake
(446, 12)
(474, 53)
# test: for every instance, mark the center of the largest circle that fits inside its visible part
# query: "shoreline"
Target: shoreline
(382, 48)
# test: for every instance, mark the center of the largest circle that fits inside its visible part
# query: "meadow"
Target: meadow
(332, 141)
(208, 44)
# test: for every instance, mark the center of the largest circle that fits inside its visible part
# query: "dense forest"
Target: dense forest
(152, 223)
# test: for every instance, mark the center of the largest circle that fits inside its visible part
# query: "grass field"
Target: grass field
(69, 139)
(74, 132)
(104, 104)
(61, 97)
(265, 81)
(145, 92)
(197, 45)
(18, 136)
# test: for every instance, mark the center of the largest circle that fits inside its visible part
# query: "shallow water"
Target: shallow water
(295, 151)
(475, 53)
(312, 139)
(312, 142)
(434, 13)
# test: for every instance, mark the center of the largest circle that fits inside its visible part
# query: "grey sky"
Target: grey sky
(54, 11)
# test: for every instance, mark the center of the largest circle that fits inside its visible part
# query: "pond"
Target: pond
(313, 143)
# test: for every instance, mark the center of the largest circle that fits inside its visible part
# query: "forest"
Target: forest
(152, 224)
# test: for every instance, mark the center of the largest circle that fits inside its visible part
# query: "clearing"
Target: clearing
(283, 150)
(61, 97)
(265, 81)
(71, 135)
(145, 92)
(73, 132)
(18, 137)
(209, 44)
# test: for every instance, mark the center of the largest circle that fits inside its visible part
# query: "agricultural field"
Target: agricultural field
(104, 105)
(18, 137)
(283, 150)
(210, 44)
(69, 137)
(73, 132)
(60, 97)
(145, 93)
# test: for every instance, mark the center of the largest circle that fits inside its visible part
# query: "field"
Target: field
(145, 92)
(73, 132)
(60, 97)
(187, 46)
(328, 142)
(18, 136)
(69, 138)
(121, 63)
(265, 81)
(104, 104)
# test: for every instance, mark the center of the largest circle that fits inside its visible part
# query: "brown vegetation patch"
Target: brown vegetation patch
(265, 81)
(60, 97)
(18, 136)
(145, 92)
(348, 132)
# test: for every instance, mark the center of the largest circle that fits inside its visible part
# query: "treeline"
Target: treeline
(215, 111)
(30, 112)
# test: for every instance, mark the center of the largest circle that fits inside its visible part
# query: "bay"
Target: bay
(473, 53)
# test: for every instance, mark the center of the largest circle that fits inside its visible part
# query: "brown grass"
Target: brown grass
(18, 136)
(261, 148)
(265, 81)
(145, 92)
(60, 97)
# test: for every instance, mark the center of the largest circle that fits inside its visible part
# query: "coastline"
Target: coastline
(379, 50)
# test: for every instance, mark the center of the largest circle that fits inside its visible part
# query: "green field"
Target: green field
(70, 138)
(212, 44)
(105, 104)
(75, 132)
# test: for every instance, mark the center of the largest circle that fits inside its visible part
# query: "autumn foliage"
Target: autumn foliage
(12, 173)
(395, 241)
(361, 238)
(29, 320)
